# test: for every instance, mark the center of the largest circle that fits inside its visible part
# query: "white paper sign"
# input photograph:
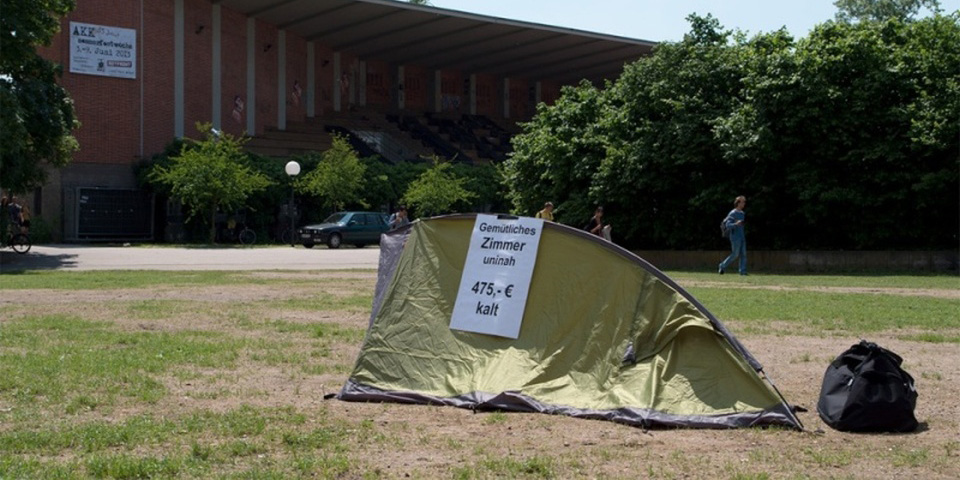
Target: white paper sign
(496, 275)
(100, 50)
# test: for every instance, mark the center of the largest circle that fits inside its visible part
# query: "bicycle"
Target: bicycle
(19, 242)
(287, 236)
(238, 233)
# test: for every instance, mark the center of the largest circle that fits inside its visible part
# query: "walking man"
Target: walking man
(738, 239)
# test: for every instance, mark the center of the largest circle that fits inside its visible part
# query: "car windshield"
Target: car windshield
(335, 218)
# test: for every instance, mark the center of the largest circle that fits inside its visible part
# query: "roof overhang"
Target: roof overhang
(405, 34)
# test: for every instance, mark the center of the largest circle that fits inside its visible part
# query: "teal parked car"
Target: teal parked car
(354, 228)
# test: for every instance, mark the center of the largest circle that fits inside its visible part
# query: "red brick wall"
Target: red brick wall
(519, 98)
(350, 68)
(378, 84)
(266, 76)
(415, 87)
(488, 98)
(296, 75)
(108, 108)
(323, 55)
(233, 70)
(549, 92)
(156, 48)
(452, 97)
(197, 65)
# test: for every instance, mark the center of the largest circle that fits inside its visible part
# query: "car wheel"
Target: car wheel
(308, 245)
(334, 241)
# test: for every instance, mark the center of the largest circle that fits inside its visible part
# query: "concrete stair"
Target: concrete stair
(298, 139)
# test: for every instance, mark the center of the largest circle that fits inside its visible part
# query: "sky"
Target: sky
(660, 20)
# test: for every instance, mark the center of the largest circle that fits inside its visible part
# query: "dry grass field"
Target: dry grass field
(223, 375)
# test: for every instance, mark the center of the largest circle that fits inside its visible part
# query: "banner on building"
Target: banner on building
(102, 50)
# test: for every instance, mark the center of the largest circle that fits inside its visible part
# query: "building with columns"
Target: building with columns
(142, 73)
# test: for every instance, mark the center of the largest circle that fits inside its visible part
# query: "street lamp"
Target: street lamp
(293, 169)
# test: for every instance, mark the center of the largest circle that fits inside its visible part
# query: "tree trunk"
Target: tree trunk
(213, 224)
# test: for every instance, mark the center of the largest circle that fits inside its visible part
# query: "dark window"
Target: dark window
(114, 214)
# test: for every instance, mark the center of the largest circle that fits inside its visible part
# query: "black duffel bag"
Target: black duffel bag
(865, 390)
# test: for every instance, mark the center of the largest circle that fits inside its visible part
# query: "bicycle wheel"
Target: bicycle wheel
(247, 236)
(20, 243)
(286, 237)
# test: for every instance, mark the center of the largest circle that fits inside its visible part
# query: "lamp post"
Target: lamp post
(293, 169)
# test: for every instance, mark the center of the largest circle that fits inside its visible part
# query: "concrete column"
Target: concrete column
(217, 79)
(251, 103)
(473, 94)
(437, 91)
(506, 98)
(281, 80)
(362, 84)
(178, 78)
(337, 83)
(311, 80)
(401, 85)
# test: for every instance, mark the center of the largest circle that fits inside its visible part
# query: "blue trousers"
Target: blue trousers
(738, 248)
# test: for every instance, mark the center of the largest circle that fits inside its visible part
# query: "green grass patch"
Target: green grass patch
(17, 467)
(914, 457)
(159, 309)
(819, 311)
(329, 332)
(114, 279)
(829, 458)
(126, 466)
(931, 337)
(59, 359)
(945, 282)
(495, 418)
(240, 424)
(327, 302)
(532, 467)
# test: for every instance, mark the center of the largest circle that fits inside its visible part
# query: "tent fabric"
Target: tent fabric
(605, 335)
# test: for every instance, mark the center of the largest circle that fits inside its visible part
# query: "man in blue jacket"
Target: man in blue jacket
(738, 239)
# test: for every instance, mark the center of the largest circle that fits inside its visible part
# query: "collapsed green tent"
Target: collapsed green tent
(604, 335)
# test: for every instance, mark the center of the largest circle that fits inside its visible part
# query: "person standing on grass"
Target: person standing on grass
(738, 239)
(547, 212)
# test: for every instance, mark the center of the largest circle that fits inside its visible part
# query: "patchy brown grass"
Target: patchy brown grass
(289, 358)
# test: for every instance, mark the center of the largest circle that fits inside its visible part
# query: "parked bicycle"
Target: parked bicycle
(287, 236)
(237, 232)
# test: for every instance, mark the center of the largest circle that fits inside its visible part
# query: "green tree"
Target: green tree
(880, 10)
(385, 183)
(213, 174)
(338, 178)
(437, 190)
(36, 114)
(557, 155)
(859, 122)
(844, 139)
(663, 178)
